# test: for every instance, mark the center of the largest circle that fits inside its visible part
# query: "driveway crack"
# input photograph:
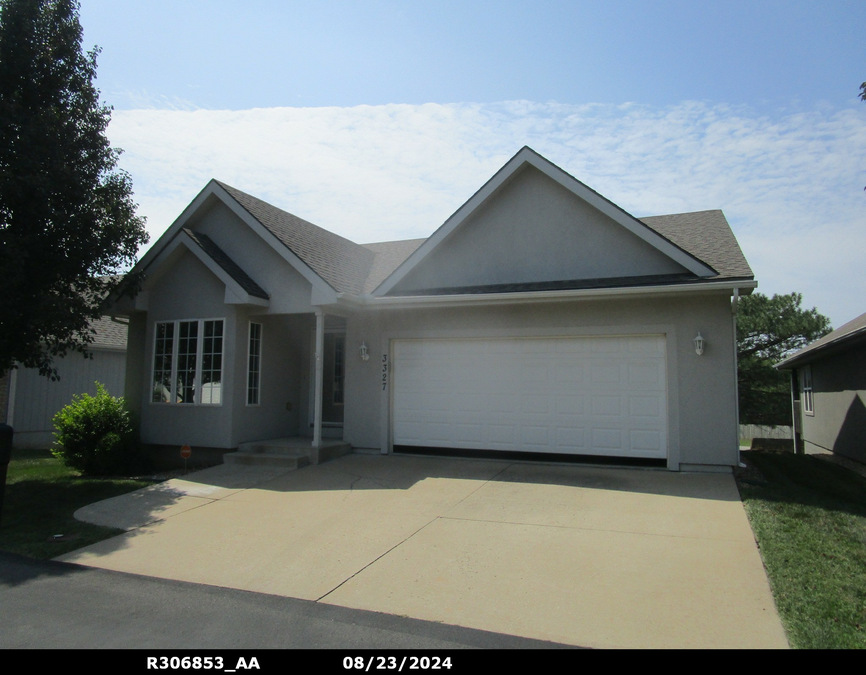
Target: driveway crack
(408, 537)
(378, 558)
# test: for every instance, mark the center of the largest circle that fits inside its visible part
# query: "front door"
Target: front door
(333, 377)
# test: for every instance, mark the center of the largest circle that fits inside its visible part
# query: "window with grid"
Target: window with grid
(187, 350)
(163, 354)
(212, 362)
(187, 362)
(808, 397)
(254, 364)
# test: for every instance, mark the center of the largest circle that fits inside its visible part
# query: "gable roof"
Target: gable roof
(340, 262)
(848, 333)
(707, 236)
(528, 157)
(702, 242)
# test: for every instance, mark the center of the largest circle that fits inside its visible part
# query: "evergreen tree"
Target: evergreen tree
(67, 218)
(769, 330)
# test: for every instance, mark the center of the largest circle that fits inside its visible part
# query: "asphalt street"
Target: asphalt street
(48, 604)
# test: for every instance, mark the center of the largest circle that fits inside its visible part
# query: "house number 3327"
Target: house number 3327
(384, 371)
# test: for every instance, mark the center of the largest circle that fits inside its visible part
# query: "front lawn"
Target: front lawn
(41, 496)
(809, 518)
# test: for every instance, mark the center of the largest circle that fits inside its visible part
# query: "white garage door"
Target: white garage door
(587, 395)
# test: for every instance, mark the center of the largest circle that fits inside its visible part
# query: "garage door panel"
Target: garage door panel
(569, 405)
(589, 395)
(608, 439)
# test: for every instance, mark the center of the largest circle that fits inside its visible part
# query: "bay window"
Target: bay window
(187, 362)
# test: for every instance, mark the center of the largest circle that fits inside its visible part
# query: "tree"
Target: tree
(67, 218)
(768, 330)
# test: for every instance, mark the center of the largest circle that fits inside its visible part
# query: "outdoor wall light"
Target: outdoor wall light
(364, 355)
(699, 344)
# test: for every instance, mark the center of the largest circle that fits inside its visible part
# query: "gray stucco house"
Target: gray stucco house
(828, 388)
(539, 318)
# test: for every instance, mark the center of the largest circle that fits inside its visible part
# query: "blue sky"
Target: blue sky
(378, 119)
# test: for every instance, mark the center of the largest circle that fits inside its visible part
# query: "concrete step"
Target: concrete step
(285, 460)
(291, 453)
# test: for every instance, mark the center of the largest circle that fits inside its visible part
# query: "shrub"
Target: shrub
(95, 434)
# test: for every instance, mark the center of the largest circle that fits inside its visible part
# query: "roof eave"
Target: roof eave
(808, 354)
(527, 156)
(371, 301)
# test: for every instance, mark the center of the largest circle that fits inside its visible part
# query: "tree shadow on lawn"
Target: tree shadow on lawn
(806, 480)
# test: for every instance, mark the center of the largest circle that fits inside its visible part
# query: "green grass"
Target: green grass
(809, 518)
(41, 496)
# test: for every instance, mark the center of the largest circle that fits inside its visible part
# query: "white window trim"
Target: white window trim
(808, 392)
(198, 363)
(249, 364)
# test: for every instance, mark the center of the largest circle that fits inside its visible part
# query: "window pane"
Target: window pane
(164, 343)
(211, 373)
(186, 361)
(254, 365)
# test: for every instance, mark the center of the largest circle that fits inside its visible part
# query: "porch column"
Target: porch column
(320, 350)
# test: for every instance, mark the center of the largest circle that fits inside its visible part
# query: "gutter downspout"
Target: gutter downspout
(320, 349)
(734, 302)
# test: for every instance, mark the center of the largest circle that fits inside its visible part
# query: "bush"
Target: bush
(95, 434)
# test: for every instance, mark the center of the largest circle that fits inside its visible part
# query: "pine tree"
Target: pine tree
(67, 216)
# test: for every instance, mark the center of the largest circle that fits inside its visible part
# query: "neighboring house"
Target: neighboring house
(828, 388)
(539, 318)
(32, 400)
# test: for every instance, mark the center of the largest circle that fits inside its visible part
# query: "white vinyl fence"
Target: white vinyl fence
(757, 431)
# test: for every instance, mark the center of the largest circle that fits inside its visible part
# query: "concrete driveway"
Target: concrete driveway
(596, 557)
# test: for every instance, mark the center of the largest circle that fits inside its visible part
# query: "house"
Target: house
(29, 401)
(828, 389)
(539, 318)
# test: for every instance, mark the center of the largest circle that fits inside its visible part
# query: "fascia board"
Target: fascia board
(528, 156)
(282, 250)
(235, 294)
(154, 253)
(461, 214)
(372, 302)
(807, 355)
(620, 216)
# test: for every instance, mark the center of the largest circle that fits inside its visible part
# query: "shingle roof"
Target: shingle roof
(230, 266)
(853, 330)
(707, 236)
(340, 262)
(109, 333)
(389, 256)
(356, 269)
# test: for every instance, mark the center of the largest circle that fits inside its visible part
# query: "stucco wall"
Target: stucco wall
(289, 291)
(284, 384)
(188, 290)
(701, 389)
(500, 242)
(839, 422)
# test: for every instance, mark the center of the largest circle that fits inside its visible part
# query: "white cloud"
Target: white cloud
(791, 186)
